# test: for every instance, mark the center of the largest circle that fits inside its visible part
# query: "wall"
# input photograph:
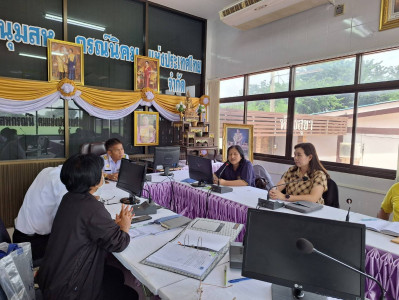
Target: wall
(308, 36)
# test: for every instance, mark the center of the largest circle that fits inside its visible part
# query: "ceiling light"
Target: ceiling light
(74, 22)
(32, 55)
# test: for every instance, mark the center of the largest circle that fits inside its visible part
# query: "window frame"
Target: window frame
(292, 94)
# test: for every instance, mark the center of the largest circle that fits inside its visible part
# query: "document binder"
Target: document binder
(196, 256)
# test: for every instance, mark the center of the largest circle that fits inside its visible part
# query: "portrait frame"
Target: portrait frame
(152, 124)
(238, 134)
(57, 49)
(143, 80)
(389, 15)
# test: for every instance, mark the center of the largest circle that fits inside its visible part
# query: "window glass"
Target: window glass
(380, 66)
(232, 113)
(127, 27)
(269, 118)
(28, 61)
(85, 129)
(232, 87)
(377, 130)
(326, 122)
(269, 82)
(325, 74)
(34, 135)
(181, 35)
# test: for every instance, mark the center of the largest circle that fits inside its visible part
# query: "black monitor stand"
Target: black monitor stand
(130, 200)
(166, 171)
(285, 293)
(199, 184)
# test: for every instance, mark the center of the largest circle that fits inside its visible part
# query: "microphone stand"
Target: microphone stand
(307, 247)
(218, 188)
(267, 203)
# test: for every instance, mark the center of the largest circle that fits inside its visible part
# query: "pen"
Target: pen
(225, 275)
(238, 280)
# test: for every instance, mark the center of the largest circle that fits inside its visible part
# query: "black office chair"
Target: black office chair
(331, 197)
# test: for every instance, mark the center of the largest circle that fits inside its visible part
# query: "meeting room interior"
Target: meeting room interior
(210, 119)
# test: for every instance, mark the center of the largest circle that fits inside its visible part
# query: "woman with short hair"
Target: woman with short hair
(83, 233)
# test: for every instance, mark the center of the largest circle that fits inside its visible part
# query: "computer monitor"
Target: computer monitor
(131, 179)
(200, 169)
(270, 254)
(167, 157)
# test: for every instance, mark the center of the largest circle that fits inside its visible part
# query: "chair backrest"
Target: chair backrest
(84, 148)
(98, 148)
(4, 236)
(331, 197)
(260, 172)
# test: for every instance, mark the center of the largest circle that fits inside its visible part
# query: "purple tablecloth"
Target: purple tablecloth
(195, 203)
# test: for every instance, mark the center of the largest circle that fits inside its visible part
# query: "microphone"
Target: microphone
(349, 201)
(221, 189)
(267, 203)
(306, 247)
(220, 174)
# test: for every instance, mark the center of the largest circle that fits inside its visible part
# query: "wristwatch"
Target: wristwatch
(287, 196)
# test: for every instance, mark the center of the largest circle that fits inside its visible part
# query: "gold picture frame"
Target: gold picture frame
(146, 128)
(65, 60)
(146, 73)
(389, 16)
(238, 134)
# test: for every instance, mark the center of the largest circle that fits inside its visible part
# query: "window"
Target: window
(381, 66)
(269, 118)
(269, 82)
(326, 122)
(377, 131)
(325, 74)
(35, 135)
(232, 87)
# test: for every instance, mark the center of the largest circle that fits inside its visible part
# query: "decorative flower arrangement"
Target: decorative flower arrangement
(181, 107)
(67, 88)
(147, 94)
(201, 109)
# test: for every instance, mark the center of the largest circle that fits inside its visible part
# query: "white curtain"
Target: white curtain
(213, 87)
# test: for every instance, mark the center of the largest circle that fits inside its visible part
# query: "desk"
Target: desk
(382, 256)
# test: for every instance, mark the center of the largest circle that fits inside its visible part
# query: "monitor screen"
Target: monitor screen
(167, 157)
(271, 254)
(131, 177)
(200, 169)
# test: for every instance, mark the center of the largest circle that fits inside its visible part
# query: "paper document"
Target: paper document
(391, 228)
(202, 239)
(145, 230)
(185, 259)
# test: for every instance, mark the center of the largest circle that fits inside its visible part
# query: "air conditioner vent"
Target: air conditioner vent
(237, 7)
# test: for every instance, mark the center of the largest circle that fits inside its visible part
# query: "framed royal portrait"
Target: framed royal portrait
(389, 16)
(146, 73)
(146, 128)
(65, 60)
(238, 134)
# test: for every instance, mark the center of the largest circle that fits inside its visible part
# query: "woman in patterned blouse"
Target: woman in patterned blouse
(308, 174)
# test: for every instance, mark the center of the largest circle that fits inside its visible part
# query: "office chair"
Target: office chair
(260, 172)
(84, 148)
(97, 148)
(331, 197)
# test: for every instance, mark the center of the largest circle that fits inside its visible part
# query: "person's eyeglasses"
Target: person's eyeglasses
(105, 201)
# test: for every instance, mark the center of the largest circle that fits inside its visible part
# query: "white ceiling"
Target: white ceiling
(207, 9)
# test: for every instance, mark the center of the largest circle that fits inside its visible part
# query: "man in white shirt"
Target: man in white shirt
(35, 218)
(113, 157)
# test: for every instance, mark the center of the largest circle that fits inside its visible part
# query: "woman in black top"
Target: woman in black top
(83, 233)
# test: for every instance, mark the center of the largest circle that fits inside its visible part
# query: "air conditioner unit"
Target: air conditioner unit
(248, 14)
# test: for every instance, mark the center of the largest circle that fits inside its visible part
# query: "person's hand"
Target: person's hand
(113, 176)
(215, 179)
(276, 194)
(124, 218)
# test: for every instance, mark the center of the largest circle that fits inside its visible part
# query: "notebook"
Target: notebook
(386, 227)
(197, 249)
(175, 222)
